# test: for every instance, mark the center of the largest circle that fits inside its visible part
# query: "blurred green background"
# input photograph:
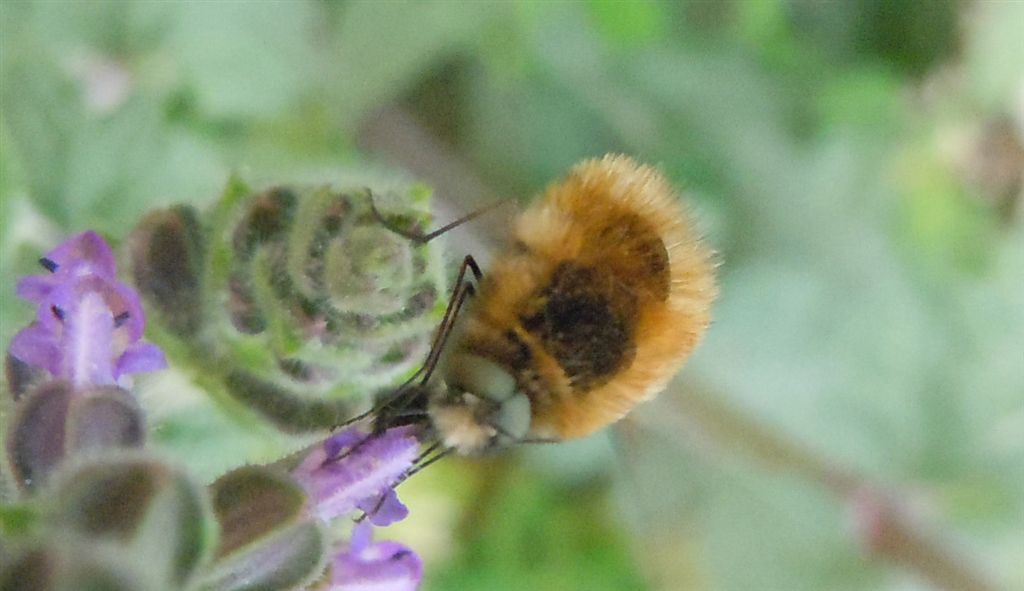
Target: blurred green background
(858, 165)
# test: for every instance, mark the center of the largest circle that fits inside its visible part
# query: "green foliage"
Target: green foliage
(871, 266)
(630, 23)
(533, 536)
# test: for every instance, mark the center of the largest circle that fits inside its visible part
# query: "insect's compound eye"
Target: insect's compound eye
(513, 417)
(502, 406)
(480, 377)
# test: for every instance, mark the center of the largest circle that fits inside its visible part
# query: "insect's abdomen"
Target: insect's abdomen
(607, 294)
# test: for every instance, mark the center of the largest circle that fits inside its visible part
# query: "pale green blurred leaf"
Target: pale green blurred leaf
(773, 533)
(995, 55)
(951, 231)
(382, 48)
(249, 58)
(630, 23)
(44, 119)
(870, 308)
(99, 171)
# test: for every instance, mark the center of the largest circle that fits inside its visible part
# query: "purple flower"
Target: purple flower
(381, 566)
(88, 326)
(353, 470)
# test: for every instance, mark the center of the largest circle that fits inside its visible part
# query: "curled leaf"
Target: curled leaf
(252, 502)
(36, 438)
(105, 417)
(166, 253)
(66, 567)
(22, 377)
(149, 509)
(285, 560)
(316, 300)
(56, 421)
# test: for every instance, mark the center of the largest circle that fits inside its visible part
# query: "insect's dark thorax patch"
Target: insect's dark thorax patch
(585, 319)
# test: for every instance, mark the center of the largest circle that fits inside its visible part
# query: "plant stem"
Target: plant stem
(886, 527)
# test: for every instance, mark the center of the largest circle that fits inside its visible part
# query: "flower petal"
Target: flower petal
(88, 324)
(88, 247)
(35, 288)
(57, 301)
(37, 346)
(383, 566)
(337, 444)
(129, 301)
(339, 484)
(140, 357)
(384, 509)
(88, 342)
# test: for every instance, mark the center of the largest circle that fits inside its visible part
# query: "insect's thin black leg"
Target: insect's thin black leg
(419, 237)
(459, 293)
(394, 397)
(538, 440)
(352, 420)
(415, 376)
(406, 414)
(422, 465)
(418, 464)
(430, 449)
(434, 357)
(470, 262)
(463, 289)
(525, 440)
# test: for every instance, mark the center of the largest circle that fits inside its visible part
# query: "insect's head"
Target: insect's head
(478, 407)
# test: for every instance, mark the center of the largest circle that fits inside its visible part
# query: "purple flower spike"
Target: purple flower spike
(83, 254)
(38, 347)
(88, 324)
(88, 340)
(87, 248)
(140, 358)
(353, 470)
(383, 566)
(384, 509)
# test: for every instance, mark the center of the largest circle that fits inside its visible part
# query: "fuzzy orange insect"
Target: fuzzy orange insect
(605, 292)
